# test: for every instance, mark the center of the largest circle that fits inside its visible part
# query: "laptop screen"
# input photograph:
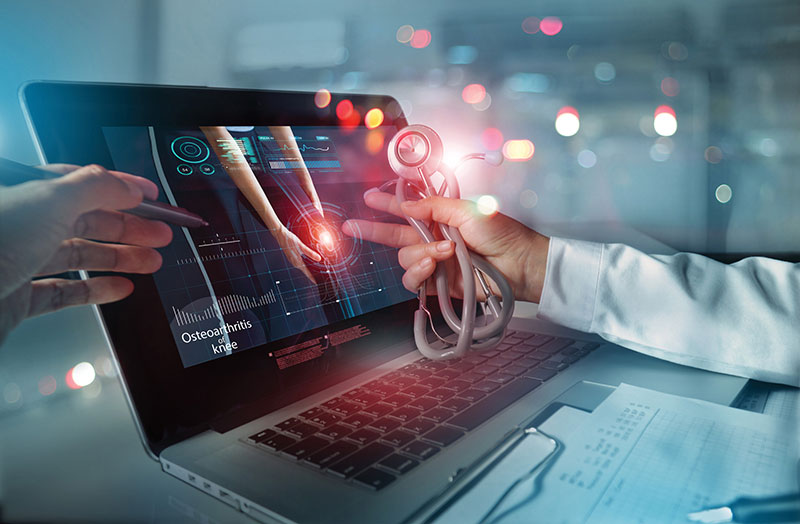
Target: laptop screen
(275, 259)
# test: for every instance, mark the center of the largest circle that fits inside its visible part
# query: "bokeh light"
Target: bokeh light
(12, 393)
(473, 93)
(492, 138)
(587, 159)
(375, 140)
(404, 34)
(80, 376)
(768, 147)
(531, 25)
(420, 39)
(713, 155)
(605, 72)
(551, 25)
(47, 385)
(724, 193)
(670, 86)
(344, 109)
(567, 121)
(665, 122)
(322, 98)
(528, 198)
(484, 104)
(518, 150)
(487, 205)
(373, 118)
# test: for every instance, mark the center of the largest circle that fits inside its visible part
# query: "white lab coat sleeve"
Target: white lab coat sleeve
(741, 319)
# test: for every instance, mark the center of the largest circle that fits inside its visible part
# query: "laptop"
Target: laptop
(287, 387)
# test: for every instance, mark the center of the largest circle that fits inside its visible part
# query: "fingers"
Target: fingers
(307, 251)
(78, 253)
(51, 294)
(394, 235)
(93, 187)
(61, 169)
(440, 209)
(381, 201)
(410, 255)
(112, 226)
(149, 188)
(418, 273)
(304, 178)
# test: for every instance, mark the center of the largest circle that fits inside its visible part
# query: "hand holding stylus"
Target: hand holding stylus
(51, 226)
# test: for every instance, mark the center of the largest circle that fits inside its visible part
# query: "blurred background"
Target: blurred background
(679, 118)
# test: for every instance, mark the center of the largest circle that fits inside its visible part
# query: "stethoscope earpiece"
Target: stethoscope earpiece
(415, 154)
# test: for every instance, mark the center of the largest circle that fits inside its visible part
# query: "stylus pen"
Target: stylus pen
(13, 173)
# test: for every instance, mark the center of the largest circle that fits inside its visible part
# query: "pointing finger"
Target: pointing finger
(410, 255)
(51, 294)
(77, 253)
(394, 235)
(381, 201)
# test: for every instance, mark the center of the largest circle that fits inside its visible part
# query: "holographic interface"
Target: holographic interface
(273, 261)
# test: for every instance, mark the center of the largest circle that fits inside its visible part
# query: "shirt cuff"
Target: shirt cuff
(570, 286)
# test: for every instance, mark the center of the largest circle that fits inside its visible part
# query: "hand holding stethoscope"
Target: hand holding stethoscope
(415, 154)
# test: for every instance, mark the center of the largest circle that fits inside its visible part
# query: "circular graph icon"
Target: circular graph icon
(190, 149)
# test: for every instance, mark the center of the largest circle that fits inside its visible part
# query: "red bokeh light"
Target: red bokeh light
(664, 109)
(568, 109)
(71, 384)
(551, 25)
(473, 93)
(492, 138)
(344, 109)
(531, 25)
(670, 86)
(421, 38)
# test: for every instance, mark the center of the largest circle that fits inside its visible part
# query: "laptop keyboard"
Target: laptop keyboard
(380, 430)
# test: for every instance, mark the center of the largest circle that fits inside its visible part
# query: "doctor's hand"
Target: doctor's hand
(519, 252)
(49, 227)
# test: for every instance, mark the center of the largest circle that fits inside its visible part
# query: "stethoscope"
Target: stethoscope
(415, 154)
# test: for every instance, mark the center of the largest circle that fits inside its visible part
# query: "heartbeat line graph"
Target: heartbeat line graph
(302, 148)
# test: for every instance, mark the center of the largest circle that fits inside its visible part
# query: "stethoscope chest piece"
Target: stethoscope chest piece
(414, 148)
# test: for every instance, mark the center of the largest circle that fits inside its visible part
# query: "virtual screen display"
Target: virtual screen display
(273, 261)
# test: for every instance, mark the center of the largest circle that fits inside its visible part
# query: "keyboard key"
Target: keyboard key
(353, 393)
(398, 463)
(433, 382)
(500, 362)
(302, 430)
(378, 410)
(358, 420)
(404, 382)
(388, 377)
(385, 390)
(448, 374)
(360, 460)
(433, 366)
(286, 424)
(472, 395)
(490, 354)
(419, 426)
(305, 447)
(461, 366)
(363, 436)
(539, 373)
(311, 413)
(423, 404)
(441, 394)
(331, 454)
(485, 409)
(570, 359)
(261, 435)
(554, 365)
(504, 346)
(332, 403)
(335, 432)
(569, 351)
(385, 424)
(457, 385)
(398, 438)
(438, 414)
(443, 435)
(474, 359)
(325, 419)
(277, 442)
(538, 340)
(405, 413)
(485, 370)
(554, 346)
(374, 479)
(471, 377)
(367, 399)
(416, 391)
(347, 408)
(513, 340)
(504, 378)
(455, 404)
(418, 374)
(487, 386)
(397, 400)
(420, 450)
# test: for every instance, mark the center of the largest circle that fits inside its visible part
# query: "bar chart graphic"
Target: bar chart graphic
(225, 305)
